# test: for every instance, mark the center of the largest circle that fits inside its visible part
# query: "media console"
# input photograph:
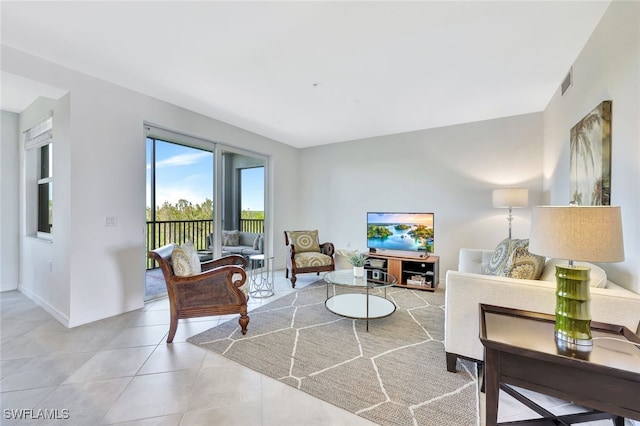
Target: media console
(410, 267)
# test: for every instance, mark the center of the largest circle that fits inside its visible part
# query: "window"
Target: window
(45, 189)
(39, 147)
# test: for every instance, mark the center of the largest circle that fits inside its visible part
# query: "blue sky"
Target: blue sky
(187, 173)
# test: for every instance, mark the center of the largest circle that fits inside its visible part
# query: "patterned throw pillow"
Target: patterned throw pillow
(304, 241)
(185, 260)
(524, 265)
(231, 238)
(500, 257)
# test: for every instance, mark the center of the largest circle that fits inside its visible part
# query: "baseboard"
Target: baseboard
(59, 316)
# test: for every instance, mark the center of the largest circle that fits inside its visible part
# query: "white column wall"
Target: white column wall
(9, 201)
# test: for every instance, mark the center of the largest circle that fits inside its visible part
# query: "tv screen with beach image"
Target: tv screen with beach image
(400, 231)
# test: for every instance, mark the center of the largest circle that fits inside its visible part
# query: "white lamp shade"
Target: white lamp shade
(510, 197)
(581, 233)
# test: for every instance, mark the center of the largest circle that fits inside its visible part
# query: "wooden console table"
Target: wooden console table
(520, 350)
(404, 267)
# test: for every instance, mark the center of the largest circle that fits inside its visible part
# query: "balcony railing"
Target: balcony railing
(160, 233)
(252, 225)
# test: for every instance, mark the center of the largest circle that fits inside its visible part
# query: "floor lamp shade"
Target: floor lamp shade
(576, 233)
(510, 198)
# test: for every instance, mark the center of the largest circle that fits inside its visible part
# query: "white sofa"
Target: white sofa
(467, 288)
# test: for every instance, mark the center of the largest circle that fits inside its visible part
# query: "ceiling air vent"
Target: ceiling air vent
(567, 82)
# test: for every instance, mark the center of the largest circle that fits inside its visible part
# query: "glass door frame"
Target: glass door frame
(219, 187)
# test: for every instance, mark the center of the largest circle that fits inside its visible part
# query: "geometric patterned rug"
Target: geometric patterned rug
(394, 374)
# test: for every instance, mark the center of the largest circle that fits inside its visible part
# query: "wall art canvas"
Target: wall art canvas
(590, 158)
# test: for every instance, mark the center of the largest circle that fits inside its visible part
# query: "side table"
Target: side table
(520, 350)
(261, 277)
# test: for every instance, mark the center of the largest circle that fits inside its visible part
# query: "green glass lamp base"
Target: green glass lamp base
(573, 313)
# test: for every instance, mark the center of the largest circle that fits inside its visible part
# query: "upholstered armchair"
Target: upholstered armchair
(306, 254)
(215, 287)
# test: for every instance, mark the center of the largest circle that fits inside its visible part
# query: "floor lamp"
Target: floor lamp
(576, 233)
(510, 198)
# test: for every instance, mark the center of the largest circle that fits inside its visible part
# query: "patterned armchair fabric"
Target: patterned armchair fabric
(306, 254)
(305, 241)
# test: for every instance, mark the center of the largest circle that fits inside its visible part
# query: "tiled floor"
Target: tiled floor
(121, 371)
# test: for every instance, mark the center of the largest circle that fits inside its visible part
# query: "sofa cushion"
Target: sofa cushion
(501, 255)
(524, 265)
(185, 260)
(304, 241)
(598, 275)
(231, 238)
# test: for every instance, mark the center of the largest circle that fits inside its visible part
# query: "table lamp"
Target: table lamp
(510, 198)
(576, 233)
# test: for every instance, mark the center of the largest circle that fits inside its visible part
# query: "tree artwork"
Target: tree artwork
(590, 158)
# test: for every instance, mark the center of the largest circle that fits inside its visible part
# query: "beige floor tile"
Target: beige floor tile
(138, 336)
(12, 402)
(187, 329)
(44, 372)
(86, 402)
(220, 386)
(153, 395)
(170, 420)
(111, 364)
(236, 415)
(173, 357)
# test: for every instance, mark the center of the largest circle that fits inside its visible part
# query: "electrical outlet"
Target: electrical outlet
(110, 221)
(348, 243)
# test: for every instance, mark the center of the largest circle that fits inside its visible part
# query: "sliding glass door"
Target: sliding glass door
(202, 191)
(180, 195)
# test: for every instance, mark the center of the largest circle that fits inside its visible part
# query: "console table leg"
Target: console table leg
(492, 386)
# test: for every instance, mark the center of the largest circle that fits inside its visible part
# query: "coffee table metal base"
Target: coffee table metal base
(360, 306)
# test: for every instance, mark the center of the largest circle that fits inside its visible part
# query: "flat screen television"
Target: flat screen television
(400, 231)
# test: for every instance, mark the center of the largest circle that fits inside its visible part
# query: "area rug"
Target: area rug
(394, 374)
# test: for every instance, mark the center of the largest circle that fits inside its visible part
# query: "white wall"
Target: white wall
(106, 177)
(608, 68)
(9, 197)
(45, 265)
(450, 171)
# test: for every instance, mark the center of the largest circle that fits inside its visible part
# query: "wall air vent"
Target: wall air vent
(567, 82)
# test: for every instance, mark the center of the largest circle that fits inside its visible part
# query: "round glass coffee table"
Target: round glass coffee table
(360, 305)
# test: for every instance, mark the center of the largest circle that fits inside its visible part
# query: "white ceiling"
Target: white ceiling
(311, 73)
